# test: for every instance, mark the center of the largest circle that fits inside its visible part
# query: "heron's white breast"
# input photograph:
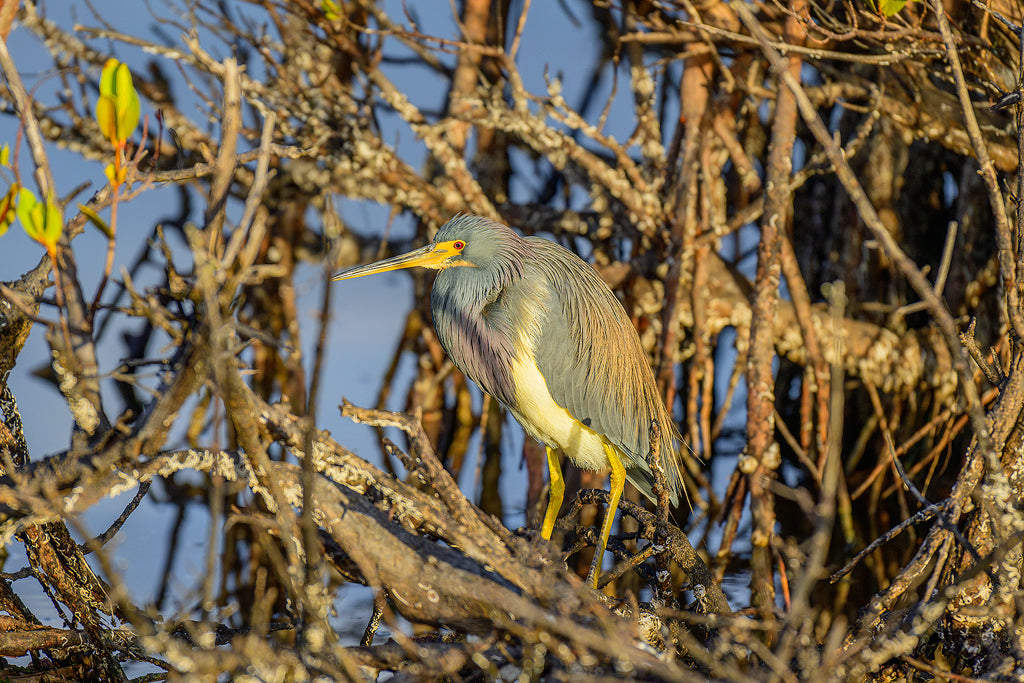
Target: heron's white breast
(550, 423)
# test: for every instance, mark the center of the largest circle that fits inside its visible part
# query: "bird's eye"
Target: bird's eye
(459, 245)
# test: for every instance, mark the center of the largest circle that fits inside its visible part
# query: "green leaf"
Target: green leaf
(53, 224)
(25, 205)
(330, 9)
(8, 210)
(108, 77)
(888, 8)
(123, 80)
(96, 220)
(106, 116)
(127, 114)
(114, 175)
(42, 222)
(117, 109)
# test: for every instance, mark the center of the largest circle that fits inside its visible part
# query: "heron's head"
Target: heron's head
(464, 241)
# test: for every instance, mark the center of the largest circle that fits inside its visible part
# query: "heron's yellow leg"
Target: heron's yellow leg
(557, 491)
(618, 482)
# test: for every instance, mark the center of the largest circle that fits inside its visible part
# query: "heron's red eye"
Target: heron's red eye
(459, 245)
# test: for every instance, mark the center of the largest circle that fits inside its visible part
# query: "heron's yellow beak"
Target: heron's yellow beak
(431, 256)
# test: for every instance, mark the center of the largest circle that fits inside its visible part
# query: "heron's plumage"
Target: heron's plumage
(536, 328)
(596, 368)
(473, 316)
(514, 302)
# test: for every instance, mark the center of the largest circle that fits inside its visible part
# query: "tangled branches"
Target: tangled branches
(803, 206)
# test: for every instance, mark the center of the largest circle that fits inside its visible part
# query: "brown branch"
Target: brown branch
(432, 584)
(870, 217)
(1012, 287)
(18, 639)
(760, 378)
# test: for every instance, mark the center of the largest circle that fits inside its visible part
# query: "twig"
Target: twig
(257, 190)
(993, 373)
(871, 219)
(940, 673)
(660, 486)
(116, 525)
(940, 276)
(1008, 261)
(43, 174)
(374, 623)
(519, 29)
(761, 352)
(918, 517)
(224, 165)
(676, 543)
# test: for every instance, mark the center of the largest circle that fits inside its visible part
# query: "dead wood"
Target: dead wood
(812, 206)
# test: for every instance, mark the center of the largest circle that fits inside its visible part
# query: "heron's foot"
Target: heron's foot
(531, 535)
(538, 547)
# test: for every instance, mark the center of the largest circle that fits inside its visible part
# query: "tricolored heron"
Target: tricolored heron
(536, 328)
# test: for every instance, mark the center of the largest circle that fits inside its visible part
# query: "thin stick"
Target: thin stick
(1004, 238)
(519, 30)
(918, 517)
(869, 215)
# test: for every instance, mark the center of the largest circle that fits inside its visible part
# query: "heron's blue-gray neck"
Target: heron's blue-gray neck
(475, 310)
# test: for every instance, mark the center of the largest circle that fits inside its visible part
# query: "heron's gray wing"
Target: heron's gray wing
(476, 330)
(590, 356)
